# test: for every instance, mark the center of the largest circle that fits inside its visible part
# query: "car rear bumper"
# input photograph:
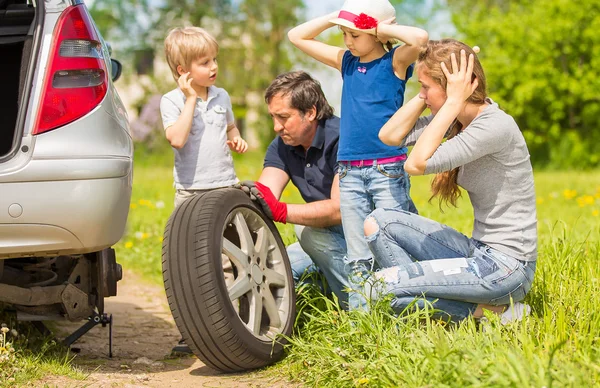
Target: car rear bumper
(85, 211)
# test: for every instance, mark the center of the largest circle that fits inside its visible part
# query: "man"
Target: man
(305, 152)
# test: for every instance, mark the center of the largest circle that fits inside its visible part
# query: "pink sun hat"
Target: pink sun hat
(363, 15)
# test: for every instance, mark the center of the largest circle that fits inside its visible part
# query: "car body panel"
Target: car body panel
(14, 239)
(93, 211)
(65, 191)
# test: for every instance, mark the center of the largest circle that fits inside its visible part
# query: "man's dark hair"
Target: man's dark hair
(304, 91)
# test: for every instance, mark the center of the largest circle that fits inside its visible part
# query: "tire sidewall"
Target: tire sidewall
(234, 199)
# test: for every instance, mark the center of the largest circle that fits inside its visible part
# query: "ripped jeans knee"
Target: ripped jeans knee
(371, 228)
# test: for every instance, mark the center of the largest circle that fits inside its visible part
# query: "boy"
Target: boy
(197, 116)
(198, 121)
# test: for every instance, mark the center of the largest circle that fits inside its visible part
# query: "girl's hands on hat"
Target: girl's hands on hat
(185, 84)
(460, 84)
(380, 30)
(331, 16)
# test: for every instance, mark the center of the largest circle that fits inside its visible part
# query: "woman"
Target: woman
(486, 155)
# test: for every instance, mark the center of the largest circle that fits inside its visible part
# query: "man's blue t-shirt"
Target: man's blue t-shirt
(311, 172)
(371, 94)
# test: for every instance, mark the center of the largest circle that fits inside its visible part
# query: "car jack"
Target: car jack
(93, 320)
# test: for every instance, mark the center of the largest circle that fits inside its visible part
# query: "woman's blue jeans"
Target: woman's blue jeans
(423, 259)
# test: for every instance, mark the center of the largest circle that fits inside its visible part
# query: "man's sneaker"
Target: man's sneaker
(182, 347)
(515, 313)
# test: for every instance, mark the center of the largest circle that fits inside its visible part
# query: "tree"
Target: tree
(123, 23)
(542, 61)
(255, 50)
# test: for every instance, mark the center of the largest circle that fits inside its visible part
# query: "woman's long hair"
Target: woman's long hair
(444, 184)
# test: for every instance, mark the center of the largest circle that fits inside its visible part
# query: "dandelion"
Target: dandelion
(585, 200)
(540, 201)
(6, 349)
(128, 244)
(160, 204)
(569, 194)
(141, 235)
(340, 352)
(595, 212)
(133, 206)
(145, 202)
(362, 381)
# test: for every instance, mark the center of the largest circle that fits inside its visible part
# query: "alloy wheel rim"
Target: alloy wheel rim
(254, 272)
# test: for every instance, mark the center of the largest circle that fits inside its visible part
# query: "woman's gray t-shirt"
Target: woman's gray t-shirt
(495, 170)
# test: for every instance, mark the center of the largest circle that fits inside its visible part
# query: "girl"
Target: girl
(485, 153)
(375, 74)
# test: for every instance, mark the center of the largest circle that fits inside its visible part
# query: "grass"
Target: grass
(29, 357)
(568, 202)
(559, 345)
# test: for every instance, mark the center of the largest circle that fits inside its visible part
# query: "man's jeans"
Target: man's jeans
(453, 272)
(324, 250)
(363, 189)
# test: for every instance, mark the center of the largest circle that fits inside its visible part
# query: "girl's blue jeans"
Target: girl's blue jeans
(363, 189)
(431, 262)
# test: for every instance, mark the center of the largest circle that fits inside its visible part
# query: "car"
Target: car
(66, 162)
(228, 280)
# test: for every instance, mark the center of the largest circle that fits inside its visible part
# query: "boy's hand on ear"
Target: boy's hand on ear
(185, 84)
(274, 209)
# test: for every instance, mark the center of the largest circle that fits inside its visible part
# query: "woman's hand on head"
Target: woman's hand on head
(460, 83)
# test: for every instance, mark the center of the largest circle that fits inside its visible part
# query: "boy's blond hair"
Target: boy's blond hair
(183, 45)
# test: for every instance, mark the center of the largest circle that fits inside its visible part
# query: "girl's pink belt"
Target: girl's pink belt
(370, 162)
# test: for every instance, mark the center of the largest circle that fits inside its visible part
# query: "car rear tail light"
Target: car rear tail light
(77, 79)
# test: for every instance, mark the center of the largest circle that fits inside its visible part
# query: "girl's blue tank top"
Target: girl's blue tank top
(371, 94)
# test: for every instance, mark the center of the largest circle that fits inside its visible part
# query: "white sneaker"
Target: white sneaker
(515, 313)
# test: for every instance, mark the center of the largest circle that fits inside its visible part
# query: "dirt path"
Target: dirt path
(143, 335)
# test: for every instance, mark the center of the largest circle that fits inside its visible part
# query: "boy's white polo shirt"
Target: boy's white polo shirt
(205, 161)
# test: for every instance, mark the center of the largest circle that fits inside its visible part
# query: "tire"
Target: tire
(224, 261)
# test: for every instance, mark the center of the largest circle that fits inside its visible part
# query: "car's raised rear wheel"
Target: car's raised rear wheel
(228, 281)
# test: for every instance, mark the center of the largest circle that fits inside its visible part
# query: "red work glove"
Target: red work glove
(274, 209)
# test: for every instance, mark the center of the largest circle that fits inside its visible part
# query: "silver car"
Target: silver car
(66, 159)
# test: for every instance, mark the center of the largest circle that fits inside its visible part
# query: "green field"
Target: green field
(558, 345)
